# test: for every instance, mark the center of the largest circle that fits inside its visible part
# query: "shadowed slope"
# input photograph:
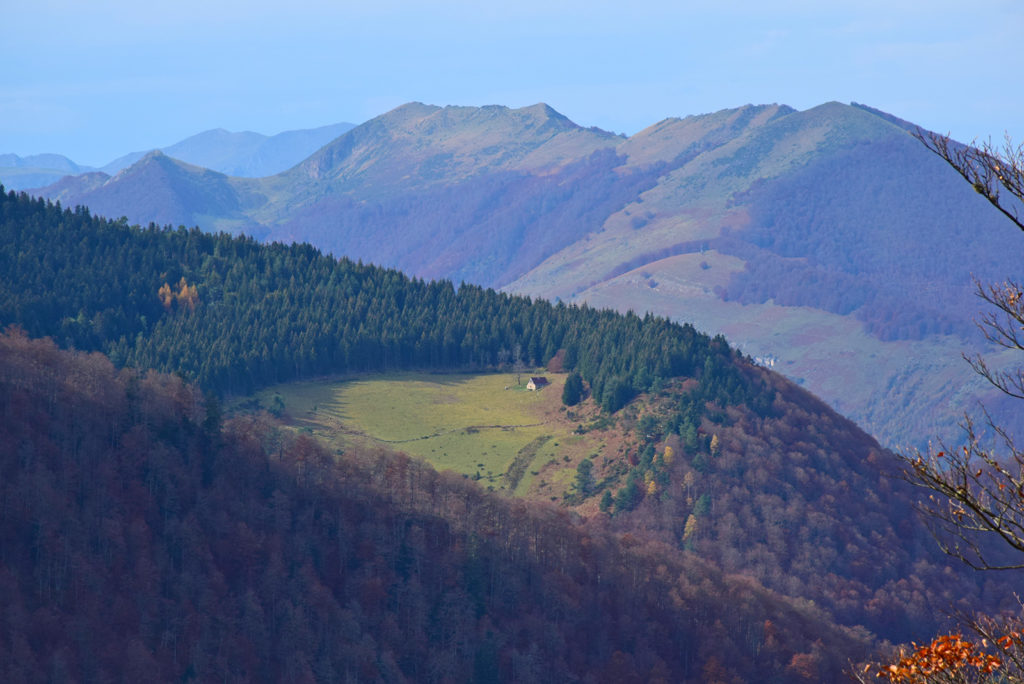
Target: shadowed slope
(141, 542)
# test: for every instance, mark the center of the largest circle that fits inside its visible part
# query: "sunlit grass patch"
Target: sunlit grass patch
(475, 424)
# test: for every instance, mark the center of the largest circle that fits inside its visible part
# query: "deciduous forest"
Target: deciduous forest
(142, 540)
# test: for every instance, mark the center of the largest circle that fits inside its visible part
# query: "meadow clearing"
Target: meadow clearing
(484, 426)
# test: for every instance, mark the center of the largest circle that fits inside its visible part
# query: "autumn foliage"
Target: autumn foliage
(186, 297)
(140, 540)
(950, 658)
(806, 503)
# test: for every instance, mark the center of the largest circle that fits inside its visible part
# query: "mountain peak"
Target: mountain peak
(544, 111)
(151, 159)
(418, 118)
(410, 111)
(832, 106)
(849, 122)
(452, 141)
(163, 160)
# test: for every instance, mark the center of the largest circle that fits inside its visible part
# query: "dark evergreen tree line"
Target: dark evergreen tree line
(235, 315)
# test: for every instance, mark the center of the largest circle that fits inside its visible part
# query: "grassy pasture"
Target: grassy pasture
(481, 425)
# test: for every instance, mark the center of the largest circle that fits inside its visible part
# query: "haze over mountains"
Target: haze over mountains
(828, 242)
(245, 154)
(22, 173)
(238, 154)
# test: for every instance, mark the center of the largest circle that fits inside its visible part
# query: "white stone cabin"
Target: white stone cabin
(536, 383)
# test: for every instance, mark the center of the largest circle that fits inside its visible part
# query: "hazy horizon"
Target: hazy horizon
(99, 81)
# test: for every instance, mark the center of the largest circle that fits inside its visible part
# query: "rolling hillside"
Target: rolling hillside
(827, 242)
(680, 441)
(142, 540)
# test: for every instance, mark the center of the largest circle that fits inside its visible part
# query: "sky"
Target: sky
(94, 81)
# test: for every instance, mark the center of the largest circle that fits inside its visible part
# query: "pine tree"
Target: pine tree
(572, 392)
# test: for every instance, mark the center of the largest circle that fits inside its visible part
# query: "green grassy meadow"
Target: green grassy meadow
(481, 425)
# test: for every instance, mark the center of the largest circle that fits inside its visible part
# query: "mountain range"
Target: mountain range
(245, 154)
(238, 154)
(827, 243)
(22, 173)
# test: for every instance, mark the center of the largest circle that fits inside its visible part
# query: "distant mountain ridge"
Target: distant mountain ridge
(828, 239)
(49, 161)
(245, 154)
(33, 171)
(175, 190)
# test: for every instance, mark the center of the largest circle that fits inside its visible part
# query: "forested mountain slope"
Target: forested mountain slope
(140, 541)
(236, 315)
(827, 241)
(798, 498)
(766, 480)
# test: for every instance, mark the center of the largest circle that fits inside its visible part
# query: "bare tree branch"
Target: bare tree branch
(987, 168)
(975, 494)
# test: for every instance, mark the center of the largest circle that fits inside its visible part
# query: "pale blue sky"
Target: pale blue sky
(99, 79)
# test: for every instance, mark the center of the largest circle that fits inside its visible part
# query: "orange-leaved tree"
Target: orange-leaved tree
(953, 658)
